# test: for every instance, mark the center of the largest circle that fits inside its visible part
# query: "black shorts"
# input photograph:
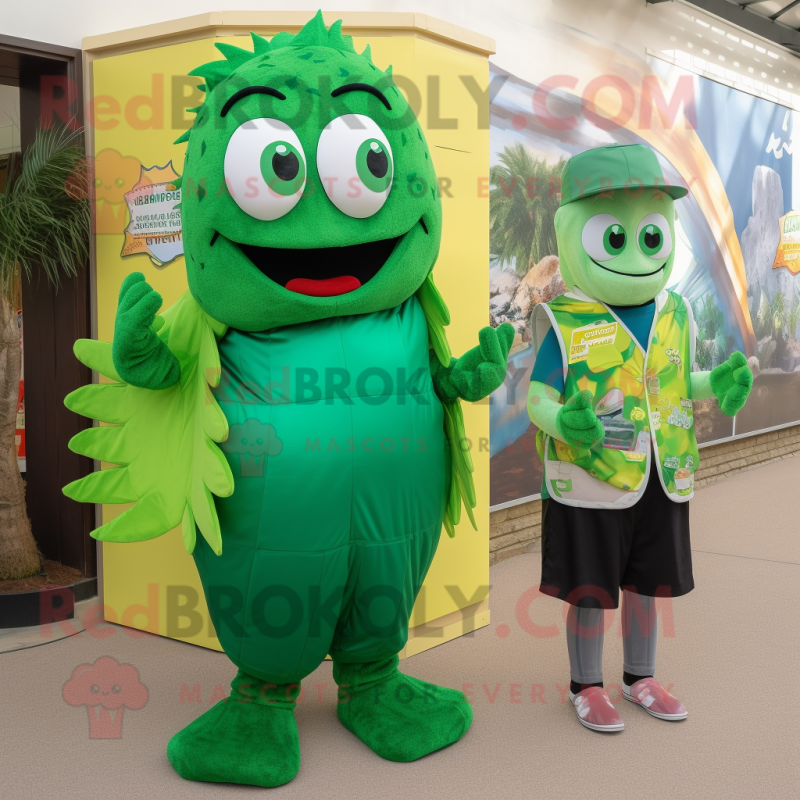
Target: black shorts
(589, 553)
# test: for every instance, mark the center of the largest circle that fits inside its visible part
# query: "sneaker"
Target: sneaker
(595, 711)
(655, 700)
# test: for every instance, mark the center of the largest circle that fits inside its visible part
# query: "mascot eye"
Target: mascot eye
(654, 237)
(355, 165)
(603, 237)
(265, 168)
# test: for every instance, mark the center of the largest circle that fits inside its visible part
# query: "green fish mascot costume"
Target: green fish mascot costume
(611, 392)
(297, 411)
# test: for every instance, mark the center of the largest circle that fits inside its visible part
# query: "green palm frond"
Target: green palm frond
(793, 318)
(45, 216)
(522, 206)
(776, 317)
(708, 316)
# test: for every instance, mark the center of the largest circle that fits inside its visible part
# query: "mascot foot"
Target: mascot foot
(398, 717)
(249, 737)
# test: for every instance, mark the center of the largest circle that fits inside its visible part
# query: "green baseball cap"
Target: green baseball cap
(629, 167)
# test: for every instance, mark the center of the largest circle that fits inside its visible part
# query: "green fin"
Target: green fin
(462, 485)
(209, 357)
(217, 474)
(215, 424)
(282, 39)
(167, 439)
(188, 530)
(313, 33)
(101, 401)
(236, 56)
(106, 443)
(337, 40)
(205, 515)
(260, 44)
(213, 73)
(437, 316)
(146, 520)
(105, 486)
(97, 356)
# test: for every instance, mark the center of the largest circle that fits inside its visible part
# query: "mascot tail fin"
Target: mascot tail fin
(462, 486)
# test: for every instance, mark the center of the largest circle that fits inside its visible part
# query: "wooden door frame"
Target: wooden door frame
(53, 319)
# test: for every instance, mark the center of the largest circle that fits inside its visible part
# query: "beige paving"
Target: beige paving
(768, 499)
(732, 658)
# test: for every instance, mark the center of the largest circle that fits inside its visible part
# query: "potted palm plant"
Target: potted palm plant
(45, 222)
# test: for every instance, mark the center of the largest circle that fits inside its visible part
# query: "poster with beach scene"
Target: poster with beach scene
(737, 243)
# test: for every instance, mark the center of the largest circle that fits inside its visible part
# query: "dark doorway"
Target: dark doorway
(49, 78)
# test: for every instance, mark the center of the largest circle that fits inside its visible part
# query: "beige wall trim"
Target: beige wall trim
(268, 23)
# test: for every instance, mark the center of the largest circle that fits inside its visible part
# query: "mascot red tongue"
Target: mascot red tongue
(328, 287)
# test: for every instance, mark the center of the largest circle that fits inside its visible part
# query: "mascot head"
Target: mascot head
(308, 188)
(616, 224)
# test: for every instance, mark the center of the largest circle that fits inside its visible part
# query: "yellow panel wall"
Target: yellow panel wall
(142, 580)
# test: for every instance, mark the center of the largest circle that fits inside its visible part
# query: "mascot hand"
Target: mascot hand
(140, 357)
(479, 371)
(731, 382)
(577, 422)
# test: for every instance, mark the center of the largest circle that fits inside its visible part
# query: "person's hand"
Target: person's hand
(577, 422)
(731, 382)
(141, 358)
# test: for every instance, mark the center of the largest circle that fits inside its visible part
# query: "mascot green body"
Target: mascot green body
(311, 346)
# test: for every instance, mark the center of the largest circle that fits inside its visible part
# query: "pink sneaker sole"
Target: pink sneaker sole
(655, 700)
(595, 711)
(602, 728)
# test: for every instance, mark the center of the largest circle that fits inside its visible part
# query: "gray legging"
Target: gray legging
(585, 639)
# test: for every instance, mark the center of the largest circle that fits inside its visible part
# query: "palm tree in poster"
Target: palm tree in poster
(45, 222)
(523, 201)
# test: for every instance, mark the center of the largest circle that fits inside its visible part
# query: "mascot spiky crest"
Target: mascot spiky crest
(312, 34)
